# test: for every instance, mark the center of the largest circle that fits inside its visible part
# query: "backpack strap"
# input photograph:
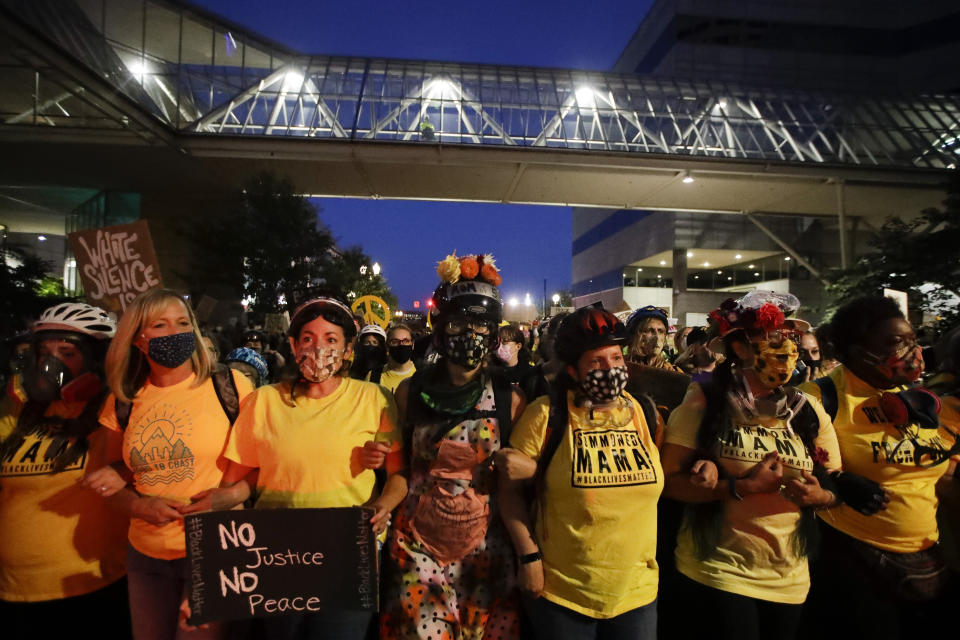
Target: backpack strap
(650, 413)
(503, 403)
(123, 410)
(828, 396)
(227, 394)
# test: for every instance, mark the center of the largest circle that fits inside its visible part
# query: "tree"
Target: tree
(353, 273)
(21, 274)
(271, 246)
(919, 256)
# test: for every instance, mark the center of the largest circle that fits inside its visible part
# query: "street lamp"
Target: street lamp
(363, 269)
(376, 268)
(556, 299)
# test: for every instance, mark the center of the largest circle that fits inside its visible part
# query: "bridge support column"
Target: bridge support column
(679, 280)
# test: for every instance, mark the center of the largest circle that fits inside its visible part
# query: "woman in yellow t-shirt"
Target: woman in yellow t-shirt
(312, 442)
(886, 573)
(588, 568)
(748, 455)
(174, 430)
(61, 547)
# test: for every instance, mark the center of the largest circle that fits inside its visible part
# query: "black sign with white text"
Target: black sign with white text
(260, 563)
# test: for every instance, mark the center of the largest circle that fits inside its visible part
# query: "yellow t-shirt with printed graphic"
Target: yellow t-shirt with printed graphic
(307, 449)
(174, 445)
(598, 534)
(390, 379)
(58, 539)
(755, 555)
(875, 448)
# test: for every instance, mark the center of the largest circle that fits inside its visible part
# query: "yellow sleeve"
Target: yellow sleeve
(389, 429)
(242, 443)
(684, 423)
(9, 412)
(950, 418)
(827, 436)
(531, 429)
(812, 389)
(243, 384)
(108, 413)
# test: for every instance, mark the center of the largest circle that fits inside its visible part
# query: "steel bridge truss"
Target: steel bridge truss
(198, 76)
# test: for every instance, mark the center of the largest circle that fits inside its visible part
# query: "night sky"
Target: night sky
(407, 238)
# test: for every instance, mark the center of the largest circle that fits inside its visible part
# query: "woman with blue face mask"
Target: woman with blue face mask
(174, 429)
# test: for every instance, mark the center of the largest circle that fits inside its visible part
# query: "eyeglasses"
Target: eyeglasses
(456, 326)
(406, 342)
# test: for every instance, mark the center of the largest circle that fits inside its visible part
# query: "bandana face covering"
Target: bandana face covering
(173, 350)
(319, 363)
(603, 386)
(466, 349)
(898, 369)
(775, 365)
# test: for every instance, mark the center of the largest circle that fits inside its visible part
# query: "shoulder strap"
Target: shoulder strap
(502, 404)
(123, 410)
(828, 396)
(650, 413)
(226, 388)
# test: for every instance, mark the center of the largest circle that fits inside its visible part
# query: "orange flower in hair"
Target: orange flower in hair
(491, 275)
(469, 268)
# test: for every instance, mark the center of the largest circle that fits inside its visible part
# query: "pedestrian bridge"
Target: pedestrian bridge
(142, 94)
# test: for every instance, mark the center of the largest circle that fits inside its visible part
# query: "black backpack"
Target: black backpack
(224, 385)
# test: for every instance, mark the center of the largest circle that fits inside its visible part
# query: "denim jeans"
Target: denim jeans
(157, 587)
(551, 621)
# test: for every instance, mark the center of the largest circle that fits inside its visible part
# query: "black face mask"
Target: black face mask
(371, 356)
(401, 353)
(173, 350)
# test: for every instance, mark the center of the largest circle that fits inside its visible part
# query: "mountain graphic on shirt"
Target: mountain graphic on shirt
(158, 447)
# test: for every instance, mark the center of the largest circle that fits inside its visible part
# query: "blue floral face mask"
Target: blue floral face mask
(173, 350)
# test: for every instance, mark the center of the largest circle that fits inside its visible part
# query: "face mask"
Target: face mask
(371, 355)
(604, 385)
(401, 353)
(466, 349)
(653, 345)
(775, 365)
(318, 364)
(898, 369)
(43, 379)
(173, 350)
(504, 352)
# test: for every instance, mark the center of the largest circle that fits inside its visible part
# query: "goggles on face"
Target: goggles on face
(456, 326)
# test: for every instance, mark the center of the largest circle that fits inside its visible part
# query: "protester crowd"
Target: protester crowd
(593, 477)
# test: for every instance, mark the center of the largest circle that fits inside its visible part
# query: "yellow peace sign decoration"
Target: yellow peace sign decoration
(369, 315)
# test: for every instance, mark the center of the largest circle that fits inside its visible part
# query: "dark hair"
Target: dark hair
(330, 313)
(696, 335)
(510, 333)
(853, 322)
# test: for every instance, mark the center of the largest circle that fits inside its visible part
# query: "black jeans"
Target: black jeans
(721, 615)
(62, 618)
(847, 592)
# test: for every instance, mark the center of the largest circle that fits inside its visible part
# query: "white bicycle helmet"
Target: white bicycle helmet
(374, 329)
(79, 317)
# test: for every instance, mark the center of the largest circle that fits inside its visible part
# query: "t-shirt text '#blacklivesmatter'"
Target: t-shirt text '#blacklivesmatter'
(749, 444)
(612, 458)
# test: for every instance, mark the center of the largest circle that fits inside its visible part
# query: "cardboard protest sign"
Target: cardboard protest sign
(116, 264)
(262, 563)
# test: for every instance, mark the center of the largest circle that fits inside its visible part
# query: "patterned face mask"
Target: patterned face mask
(775, 364)
(466, 349)
(604, 385)
(898, 369)
(173, 350)
(319, 363)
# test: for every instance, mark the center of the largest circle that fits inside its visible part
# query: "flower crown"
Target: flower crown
(474, 267)
(732, 316)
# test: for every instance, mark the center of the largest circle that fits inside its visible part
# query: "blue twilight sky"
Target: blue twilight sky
(530, 243)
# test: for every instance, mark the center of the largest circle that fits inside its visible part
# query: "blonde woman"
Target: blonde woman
(175, 426)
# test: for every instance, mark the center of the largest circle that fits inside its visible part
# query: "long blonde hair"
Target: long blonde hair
(126, 366)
